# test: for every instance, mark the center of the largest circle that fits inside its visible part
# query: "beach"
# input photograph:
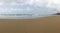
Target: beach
(49, 24)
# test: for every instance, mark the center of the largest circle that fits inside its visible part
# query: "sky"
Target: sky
(43, 7)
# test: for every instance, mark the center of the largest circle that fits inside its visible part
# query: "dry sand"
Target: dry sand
(40, 25)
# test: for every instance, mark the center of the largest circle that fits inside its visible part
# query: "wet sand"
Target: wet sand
(39, 25)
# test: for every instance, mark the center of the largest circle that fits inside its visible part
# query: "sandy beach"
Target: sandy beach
(39, 25)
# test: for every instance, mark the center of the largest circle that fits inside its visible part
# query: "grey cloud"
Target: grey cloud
(49, 4)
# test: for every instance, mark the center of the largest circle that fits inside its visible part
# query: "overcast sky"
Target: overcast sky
(30, 6)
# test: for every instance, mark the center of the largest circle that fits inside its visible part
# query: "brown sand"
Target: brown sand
(39, 25)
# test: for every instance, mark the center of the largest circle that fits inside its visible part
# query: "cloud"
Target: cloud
(31, 6)
(52, 4)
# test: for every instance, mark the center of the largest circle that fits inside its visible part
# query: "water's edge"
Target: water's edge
(23, 17)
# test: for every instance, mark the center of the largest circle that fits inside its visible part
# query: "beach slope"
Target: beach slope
(49, 24)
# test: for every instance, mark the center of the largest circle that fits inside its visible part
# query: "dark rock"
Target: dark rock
(57, 14)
